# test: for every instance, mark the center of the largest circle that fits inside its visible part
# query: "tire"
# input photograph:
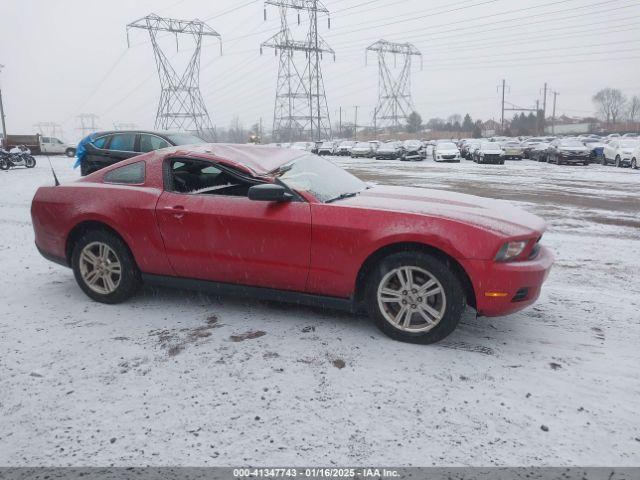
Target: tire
(634, 163)
(448, 303)
(603, 160)
(4, 165)
(70, 152)
(29, 162)
(121, 286)
(618, 163)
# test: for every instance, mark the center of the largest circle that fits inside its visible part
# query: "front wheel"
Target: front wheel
(618, 164)
(70, 152)
(415, 297)
(104, 267)
(634, 164)
(29, 162)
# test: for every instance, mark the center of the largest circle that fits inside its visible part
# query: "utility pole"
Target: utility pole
(544, 101)
(181, 105)
(395, 103)
(340, 122)
(553, 116)
(4, 126)
(355, 124)
(502, 115)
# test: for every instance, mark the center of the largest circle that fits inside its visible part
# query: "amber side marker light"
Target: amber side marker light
(495, 294)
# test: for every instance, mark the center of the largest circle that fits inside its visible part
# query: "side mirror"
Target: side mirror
(269, 192)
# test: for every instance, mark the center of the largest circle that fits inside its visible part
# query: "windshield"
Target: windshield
(590, 140)
(572, 143)
(412, 143)
(184, 139)
(491, 146)
(389, 145)
(363, 145)
(347, 143)
(512, 144)
(322, 178)
(447, 146)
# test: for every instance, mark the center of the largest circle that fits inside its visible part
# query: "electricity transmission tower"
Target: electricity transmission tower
(88, 123)
(181, 105)
(394, 91)
(49, 129)
(301, 110)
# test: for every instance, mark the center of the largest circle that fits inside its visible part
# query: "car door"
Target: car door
(148, 142)
(121, 147)
(223, 236)
(609, 150)
(97, 155)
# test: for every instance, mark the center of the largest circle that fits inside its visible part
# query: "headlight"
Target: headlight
(510, 250)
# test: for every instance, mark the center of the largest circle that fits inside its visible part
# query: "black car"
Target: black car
(568, 150)
(107, 148)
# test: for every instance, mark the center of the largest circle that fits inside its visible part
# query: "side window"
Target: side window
(123, 142)
(149, 143)
(46, 140)
(128, 175)
(100, 142)
(202, 178)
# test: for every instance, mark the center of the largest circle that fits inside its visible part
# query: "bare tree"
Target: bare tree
(633, 109)
(236, 132)
(610, 103)
(456, 117)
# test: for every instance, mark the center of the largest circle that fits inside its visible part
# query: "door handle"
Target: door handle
(177, 211)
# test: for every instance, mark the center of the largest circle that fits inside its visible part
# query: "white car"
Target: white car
(328, 148)
(446, 152)
(619, 152)
(362, 149)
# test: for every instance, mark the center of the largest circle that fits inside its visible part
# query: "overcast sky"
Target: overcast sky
(65, 57)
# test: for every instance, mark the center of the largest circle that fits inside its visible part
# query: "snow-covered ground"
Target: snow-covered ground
(177, 378)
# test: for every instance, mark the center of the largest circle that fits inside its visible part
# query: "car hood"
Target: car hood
(487, 150)
(447, 152)
(488, 214)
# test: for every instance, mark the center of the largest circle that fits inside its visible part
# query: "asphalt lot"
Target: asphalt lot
(178, 378)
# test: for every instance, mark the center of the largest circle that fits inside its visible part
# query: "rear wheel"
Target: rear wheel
(634, 164)
(104, 267)
(70, 152)
(4, 164)
(415, 297)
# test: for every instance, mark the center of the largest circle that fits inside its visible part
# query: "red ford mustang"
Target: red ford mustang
(287, 225)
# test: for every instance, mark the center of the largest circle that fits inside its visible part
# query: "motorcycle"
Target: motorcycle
(22, 158)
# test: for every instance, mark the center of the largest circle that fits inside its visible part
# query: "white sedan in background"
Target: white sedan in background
(619, 152)
(446, 152)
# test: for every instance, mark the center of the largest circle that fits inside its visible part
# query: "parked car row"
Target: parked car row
(102, 149)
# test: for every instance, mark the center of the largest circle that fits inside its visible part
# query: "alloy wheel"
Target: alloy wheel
(411, 299)
(100, 268)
